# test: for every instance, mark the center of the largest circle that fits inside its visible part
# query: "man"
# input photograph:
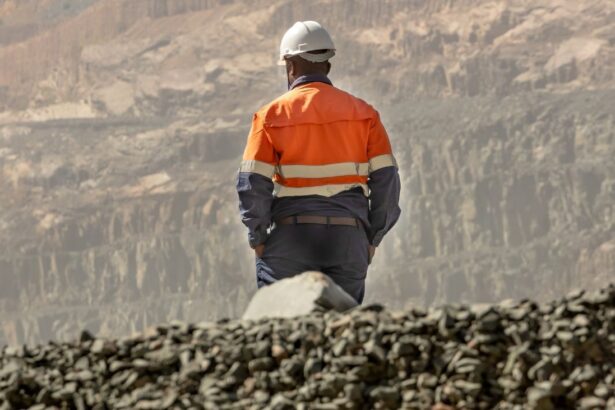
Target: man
(318, 185)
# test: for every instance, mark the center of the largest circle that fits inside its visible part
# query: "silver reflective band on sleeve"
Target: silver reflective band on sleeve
(257, 167)
(382, 161)
(324, 171)
(323, 190)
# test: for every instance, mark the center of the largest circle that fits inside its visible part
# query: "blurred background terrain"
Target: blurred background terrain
(122, 123)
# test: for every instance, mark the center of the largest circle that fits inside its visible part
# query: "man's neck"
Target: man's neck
(310, 78)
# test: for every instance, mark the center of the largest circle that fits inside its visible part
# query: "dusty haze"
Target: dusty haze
(122, 124)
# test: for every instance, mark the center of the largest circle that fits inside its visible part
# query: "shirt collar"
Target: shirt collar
(310, 78)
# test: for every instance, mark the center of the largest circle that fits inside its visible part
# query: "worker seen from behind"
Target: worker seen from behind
(318, 185)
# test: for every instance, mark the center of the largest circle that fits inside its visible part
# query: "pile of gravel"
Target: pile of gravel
(508, 356)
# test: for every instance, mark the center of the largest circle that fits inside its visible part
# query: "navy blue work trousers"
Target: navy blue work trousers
(339, 251)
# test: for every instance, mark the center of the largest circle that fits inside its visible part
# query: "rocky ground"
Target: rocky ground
(122, 125)
(513, 355)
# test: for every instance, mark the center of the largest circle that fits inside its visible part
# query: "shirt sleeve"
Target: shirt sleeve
(384, 183)
(254, 183)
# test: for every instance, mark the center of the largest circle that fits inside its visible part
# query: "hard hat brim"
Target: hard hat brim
(318, 58)
(313, 58)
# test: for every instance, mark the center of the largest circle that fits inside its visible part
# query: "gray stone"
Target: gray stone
(98, 346)
(388, 395)
(261, 364)
(374, 351)
(292, 367)
(353, 392)
(539, 399)
(592, 403)
(312, 366)
(299, 295)
(469, 388)
(279, 402)
(404, 346)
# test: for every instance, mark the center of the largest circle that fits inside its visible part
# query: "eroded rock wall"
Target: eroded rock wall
(123, 122)
(505, 189)
(116, 252)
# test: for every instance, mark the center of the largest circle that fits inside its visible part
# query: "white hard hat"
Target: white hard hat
(306, 36)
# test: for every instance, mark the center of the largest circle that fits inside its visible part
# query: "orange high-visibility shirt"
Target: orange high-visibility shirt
(317, 140)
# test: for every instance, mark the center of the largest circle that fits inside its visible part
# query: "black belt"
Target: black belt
(319, 220)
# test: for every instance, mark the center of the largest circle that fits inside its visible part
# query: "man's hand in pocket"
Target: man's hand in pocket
(259, 250)
(372, 251)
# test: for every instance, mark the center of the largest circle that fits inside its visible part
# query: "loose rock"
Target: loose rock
(508, 356)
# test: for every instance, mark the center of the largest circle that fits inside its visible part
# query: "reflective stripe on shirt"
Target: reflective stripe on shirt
(306, 172)
(324, 171)
(338, 169)
(382, 161)
(323, 190)
(257, 167)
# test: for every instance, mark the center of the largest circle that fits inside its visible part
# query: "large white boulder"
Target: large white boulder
(299, 295)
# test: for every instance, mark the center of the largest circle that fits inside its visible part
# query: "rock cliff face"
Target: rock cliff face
(122, 123)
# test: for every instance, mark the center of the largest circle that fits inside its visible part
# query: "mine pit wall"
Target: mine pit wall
(513, 199)
(508, 189)
(436, 63)
(132, 259)
(503, 201)
(147, 261)
(28, 62)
